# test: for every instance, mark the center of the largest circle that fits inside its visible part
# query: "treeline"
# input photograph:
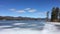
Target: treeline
(55, 14)
(17, 18)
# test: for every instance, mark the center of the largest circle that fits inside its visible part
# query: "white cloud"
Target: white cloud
(42, 13)
(20, 11)
(12, 9)
(24, 10)
(27, 9)
(32, 10)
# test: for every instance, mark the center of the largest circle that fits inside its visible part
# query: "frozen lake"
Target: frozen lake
(28, 27)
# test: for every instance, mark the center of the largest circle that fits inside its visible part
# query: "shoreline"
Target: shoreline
(54, 23)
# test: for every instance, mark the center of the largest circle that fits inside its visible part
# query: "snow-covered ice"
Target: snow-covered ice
(48, 29)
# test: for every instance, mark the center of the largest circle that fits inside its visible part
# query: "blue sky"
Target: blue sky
(27, 8)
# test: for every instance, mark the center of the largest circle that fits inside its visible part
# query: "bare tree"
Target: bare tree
(47, 16)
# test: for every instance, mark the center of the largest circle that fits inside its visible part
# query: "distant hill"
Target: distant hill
(19, 18)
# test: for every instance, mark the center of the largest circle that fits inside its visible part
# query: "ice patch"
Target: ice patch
(5, 26)
(32, 25)
(19, 23)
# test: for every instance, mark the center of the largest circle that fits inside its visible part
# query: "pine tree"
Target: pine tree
(54, 14)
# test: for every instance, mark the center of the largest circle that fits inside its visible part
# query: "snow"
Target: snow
(48, 29)
(19, 31)
(55, 23)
